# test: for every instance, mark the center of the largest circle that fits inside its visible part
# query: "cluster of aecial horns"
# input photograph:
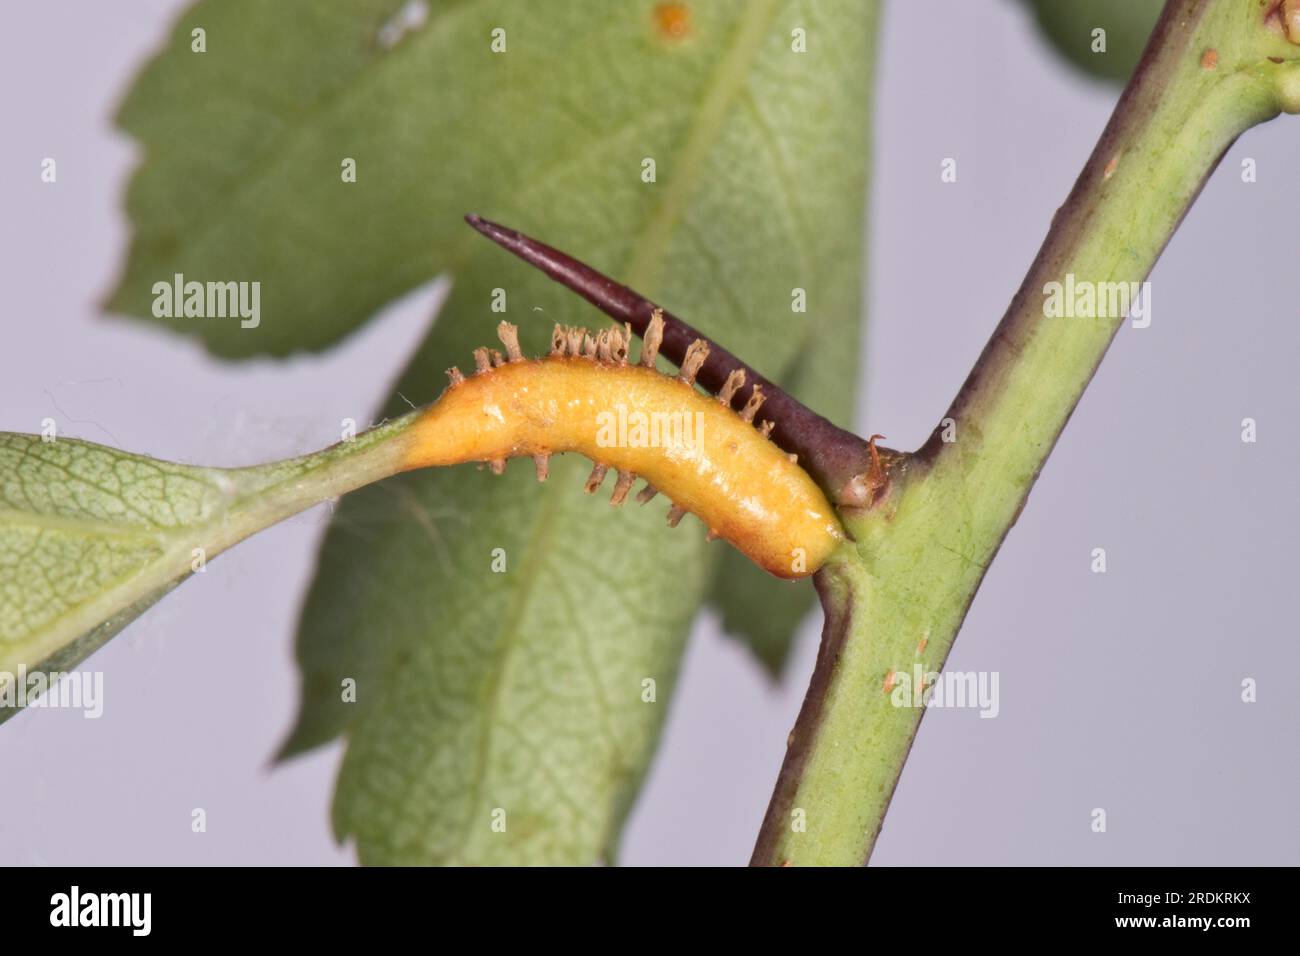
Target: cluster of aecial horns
(612, 347)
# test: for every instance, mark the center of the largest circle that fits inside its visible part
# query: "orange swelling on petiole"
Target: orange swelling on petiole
(586, 397)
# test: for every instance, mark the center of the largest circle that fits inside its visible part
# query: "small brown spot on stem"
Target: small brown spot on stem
(1210, 59)
(1113, 165)
(673, 20)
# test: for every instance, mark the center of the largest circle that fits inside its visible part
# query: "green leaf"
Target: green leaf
(1070, 24)
(520, 690)
(90, 537)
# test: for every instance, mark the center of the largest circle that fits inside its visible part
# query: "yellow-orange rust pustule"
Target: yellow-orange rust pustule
(586, 397)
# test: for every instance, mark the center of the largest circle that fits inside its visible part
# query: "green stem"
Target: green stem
(273, 492)
(896, 596)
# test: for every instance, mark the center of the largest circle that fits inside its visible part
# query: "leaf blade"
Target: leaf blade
(1070, 27)
(91, 537)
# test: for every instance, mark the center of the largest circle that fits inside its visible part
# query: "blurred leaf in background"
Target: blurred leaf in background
(513, 646)
(1071, 25)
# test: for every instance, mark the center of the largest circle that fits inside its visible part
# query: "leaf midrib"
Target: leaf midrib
(732, 70)
(99, 527)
